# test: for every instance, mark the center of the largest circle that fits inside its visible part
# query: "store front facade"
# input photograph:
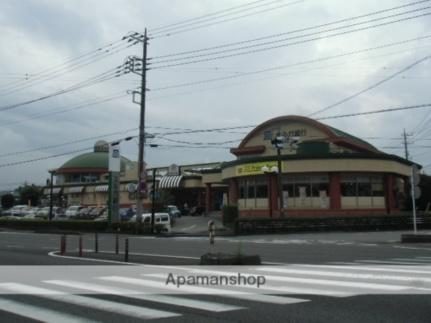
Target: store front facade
(324, 172)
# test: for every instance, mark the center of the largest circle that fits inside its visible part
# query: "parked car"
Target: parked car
(73, 211)
(126, 214)
(173, 211)
(19, 210)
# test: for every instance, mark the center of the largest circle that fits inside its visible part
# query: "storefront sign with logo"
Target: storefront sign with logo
(254, 168)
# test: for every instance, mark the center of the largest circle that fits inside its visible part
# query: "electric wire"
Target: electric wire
(237, 51)
(61, 71)
(178, 30)
(110, 74)
(69, 109)
(275, 68)
(371, 87)
(205, 15)
(277, 35)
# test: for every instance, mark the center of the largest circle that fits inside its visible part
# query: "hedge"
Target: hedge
(365, 223)
(71, 225)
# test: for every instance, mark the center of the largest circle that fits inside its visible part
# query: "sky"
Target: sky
(212, 64)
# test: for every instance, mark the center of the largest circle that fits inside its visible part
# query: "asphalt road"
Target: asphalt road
(312, 252)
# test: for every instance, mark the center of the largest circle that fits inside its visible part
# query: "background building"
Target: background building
(325, 172)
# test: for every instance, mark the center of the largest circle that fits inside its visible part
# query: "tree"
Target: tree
(30, 193)
(7, 201)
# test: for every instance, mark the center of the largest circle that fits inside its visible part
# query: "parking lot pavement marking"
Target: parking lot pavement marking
(171, 300)
(38, 313)
(207, 291)
(85, 301)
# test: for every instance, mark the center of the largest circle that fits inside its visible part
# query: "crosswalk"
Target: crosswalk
(147, 296)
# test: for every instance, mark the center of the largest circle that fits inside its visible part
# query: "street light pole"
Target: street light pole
(279, 182)
(50, 194)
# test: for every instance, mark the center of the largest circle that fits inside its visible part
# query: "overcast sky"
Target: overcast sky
(47, 46)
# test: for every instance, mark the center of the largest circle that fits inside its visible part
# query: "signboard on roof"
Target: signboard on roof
(253, 168)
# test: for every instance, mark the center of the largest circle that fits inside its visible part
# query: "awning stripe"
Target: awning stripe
(77, 189)
(55, 190)
(170, 181)
(101, 188)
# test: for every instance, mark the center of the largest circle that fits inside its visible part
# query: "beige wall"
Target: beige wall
(334, 165)
(211, 178)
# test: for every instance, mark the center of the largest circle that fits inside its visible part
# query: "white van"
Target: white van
(160, 219)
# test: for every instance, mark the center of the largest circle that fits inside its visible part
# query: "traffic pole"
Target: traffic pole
(96, 243)
(116, 243)
(80, 245)
(63, 244)
(126, 250)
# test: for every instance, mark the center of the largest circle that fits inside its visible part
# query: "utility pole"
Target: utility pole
(135, 62)
(405, 144)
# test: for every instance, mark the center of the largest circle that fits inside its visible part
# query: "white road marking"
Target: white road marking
(388, 262)
(204, 290)
(345, 275)
(104, 305)
(274, 289)
(425, 261)
(38, 313)
(362, 268)
(55, 254)
(171, 300)
(325, 282)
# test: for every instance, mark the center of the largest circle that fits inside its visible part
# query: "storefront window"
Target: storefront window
(306, 186)
(362, 185)
(253, 188)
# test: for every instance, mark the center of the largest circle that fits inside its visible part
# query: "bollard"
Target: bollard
(116, 243)
(126, 250)
(96, 243)
(80, 245)
(63, 244)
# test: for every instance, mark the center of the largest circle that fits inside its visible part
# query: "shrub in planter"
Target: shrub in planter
(230, 214)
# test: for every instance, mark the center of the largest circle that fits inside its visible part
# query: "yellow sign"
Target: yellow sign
(253, 169)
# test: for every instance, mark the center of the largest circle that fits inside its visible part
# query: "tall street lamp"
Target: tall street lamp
(278, 143)
(269, 171)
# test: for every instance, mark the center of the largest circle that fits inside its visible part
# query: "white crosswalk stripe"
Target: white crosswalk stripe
(336, 280)
(196, 304)
(204, 290)
(38, 313)
(104, 305)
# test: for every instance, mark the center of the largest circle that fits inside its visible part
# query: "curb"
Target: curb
(415, 238)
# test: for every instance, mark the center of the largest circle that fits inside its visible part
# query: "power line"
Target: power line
(66, 143)
(206, 15)
(390, 77)
(297, 31)
(203, 23)
(420, 106)
(275, 68)
(56, 73)
(110, 74)
(258, 50)
(56, 111)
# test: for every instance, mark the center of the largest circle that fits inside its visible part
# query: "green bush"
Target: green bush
(230, 214)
